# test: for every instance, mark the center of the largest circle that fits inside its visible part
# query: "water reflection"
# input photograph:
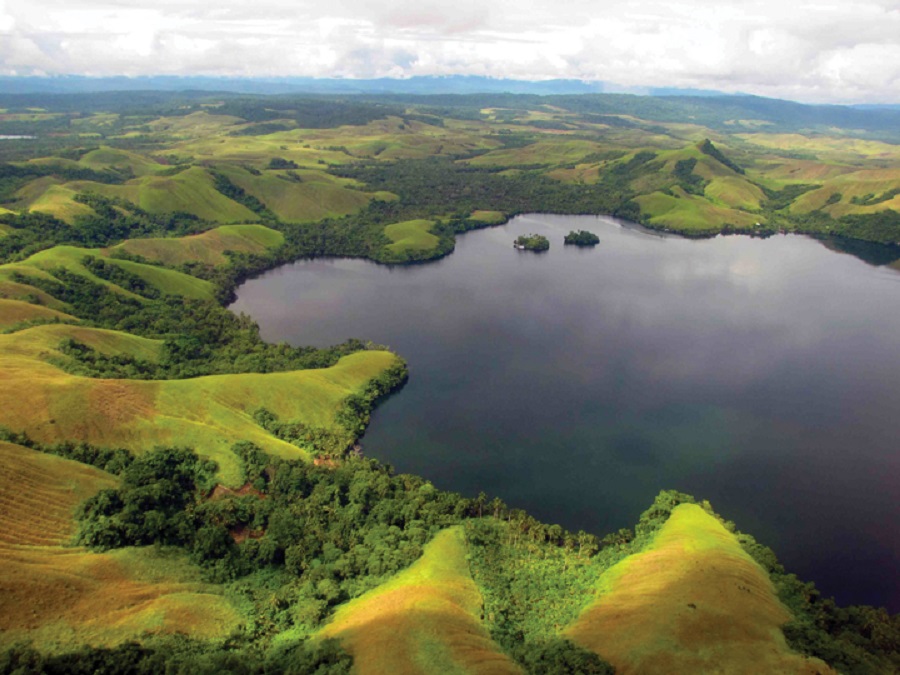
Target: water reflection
(758, 373)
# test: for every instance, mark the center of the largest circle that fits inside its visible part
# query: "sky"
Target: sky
(815, 51)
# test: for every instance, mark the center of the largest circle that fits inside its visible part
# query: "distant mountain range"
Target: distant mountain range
(451, 84)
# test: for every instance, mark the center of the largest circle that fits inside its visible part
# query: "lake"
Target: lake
(761, 374)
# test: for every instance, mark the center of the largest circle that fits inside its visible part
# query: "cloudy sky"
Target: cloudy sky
(816, 50)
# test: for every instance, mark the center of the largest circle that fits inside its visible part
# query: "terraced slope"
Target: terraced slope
(693, 602)
(424, 620)
(61, 596)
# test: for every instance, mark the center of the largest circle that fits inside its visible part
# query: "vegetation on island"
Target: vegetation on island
(532, 242)
(225, 518)
(581, 238)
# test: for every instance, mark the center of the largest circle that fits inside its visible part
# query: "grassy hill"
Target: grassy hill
(424, 620)
(61, 596)
(693, 601)
(206, 413)
(208, 247)
(71, 258)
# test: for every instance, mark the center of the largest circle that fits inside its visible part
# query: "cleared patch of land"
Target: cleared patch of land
(62, 597)
(692, 602)
(424, 620)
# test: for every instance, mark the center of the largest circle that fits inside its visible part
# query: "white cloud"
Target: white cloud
(816, 51)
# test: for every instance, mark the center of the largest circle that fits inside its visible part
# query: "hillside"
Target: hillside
(227, 520)
(63, 596)
(706, 603)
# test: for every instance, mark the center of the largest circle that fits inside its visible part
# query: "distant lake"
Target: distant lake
(761, 374)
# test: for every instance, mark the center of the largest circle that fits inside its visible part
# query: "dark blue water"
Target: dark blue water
(763, 375)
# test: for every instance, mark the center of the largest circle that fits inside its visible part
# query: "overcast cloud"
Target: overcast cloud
(824, 51)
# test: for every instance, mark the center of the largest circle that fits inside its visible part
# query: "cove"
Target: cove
(760, 374)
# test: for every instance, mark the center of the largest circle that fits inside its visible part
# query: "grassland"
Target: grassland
(13, 312)
(190, 191)
(208, 247)
(691, 214)
(300, 196)
(424, 620)
(693, 601)
(63, 597)
(411, 235)
(70, 258)
(206, 413)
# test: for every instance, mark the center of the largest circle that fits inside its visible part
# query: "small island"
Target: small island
(582, 238)
(532, 242)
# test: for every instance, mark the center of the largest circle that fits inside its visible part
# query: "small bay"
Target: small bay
(760, 374)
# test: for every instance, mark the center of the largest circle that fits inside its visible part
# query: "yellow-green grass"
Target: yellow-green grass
(853, 149)
(196, 125)
(61, 596)
(69, 258)
(686, 212)
(789, 171)
(106, 157)
(191, 191)
(42, 342)
(259, 150)
(735, 192)
(424, 620)
(411, 235)
(693, 602)
(25, 196)
(860, 184)
(209, 413)
(586, 174)
(208, 247)
(392, 138)
(488, 217)
(59, 202)
(317, 196)
(13, 312)
(16, 291)
(96, 120)
(548, 152)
